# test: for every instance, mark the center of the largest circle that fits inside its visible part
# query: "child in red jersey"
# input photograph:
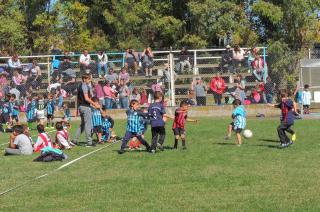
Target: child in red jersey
(181, 116)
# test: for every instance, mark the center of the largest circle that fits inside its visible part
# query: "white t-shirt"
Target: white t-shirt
(238, 55)
(85, 59)
(306, 97)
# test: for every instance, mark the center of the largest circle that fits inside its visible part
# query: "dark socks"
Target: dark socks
(183, 142)
(175, 144)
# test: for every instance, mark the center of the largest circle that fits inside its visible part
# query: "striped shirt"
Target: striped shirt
(14, 108)
(134, 123)
(179, 119)
(106, 125)
(96, 118)
(50, 107)
(30, 113)
(239, 117)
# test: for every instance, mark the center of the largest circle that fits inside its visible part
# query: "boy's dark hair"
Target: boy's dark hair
(18, 129)
(95, 99)
(85, 76)
(306, 86)
(40, 128)
(133, 101)
(236, 102)
(157, 95)
(13, 95)
(59, 126)
(283, 94)
(104, 108)
(183, 103)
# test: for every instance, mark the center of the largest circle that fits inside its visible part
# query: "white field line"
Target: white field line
(55, 170)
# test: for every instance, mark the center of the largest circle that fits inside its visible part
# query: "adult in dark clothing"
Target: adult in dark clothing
(227, 60)
(184, 61)
(84, 104)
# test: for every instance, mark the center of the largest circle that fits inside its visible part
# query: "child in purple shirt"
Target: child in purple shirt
(157, 115)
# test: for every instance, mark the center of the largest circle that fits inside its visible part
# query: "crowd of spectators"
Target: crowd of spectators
(115, 89)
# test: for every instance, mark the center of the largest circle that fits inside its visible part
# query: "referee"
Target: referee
(84, 104)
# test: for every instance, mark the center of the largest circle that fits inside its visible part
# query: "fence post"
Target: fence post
(48, 67)
(171, 65)
(309, 53)
(195, 69)
(123, 59)
(264, 55)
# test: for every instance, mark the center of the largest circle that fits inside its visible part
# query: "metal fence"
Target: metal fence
(188, 76)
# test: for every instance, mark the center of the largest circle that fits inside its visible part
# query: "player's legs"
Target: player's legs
(143, 141)
(176, 137)
(183, 138)
(162, 133)
(239, 139)
(284, 140)
(154, 133)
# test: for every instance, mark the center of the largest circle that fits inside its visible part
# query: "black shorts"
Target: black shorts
(16, 118)
(179, 131)
(158, 131)
(50, 116)
(238, 130)
(97, 129)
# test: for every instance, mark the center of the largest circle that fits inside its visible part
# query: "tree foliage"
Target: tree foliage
(37, 25)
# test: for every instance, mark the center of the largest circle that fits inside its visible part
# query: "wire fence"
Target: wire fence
(202, 77)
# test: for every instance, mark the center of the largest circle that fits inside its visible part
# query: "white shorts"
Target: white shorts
(40, 114)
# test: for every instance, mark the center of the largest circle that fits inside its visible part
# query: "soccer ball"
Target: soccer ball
(247, 133)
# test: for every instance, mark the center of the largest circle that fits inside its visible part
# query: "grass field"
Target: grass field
(212, 175)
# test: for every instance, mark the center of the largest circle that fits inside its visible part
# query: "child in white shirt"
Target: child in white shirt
(306, 99)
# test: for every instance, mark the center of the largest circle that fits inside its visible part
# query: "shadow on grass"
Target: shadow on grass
(270, 146)
(224, 144)
(269, 140)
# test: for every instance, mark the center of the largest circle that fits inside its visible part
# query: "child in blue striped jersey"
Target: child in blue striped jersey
(239, 121)
(96, 121)
(107, 125)
(50, 111)
(31, 110)
(14, 107)
(135, 128)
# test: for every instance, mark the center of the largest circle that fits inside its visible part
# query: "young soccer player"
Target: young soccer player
(306, 99)
(41, 105)
(181, 116)
(14, 107)
(96, 120)
(30, 111)
(107, 125)
(43, 139)
(157, 114)
(286, 120)
(239, 121)
(134, 126)
(50, 111)
(62, 137)
(66, 113)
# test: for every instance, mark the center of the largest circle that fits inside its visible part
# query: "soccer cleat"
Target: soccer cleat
(294, 137)
(283, 145)
(291, 142)
(121, 151)
(152, 151)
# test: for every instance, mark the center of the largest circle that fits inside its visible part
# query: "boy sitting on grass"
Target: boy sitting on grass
(239, 121)
(43, 139)
(19, 143)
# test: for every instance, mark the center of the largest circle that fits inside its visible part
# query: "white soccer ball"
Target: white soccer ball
(247, 133)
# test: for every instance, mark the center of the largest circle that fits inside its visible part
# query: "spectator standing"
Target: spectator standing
(238, 57)
(147, 61)
(112, 77)
(217, 86)
(306, 99)
(227, 60)
(102, 62)
(35, 75)
(184, 60)
(99, 91)
(240, 89)
(84, 103)
(124, 93)
(124, 76)
(108, 95)
(200, 90)
(260, 70)
(135, 95)
(131, 60)
(269, 89)
(19, 81)
(144, 97)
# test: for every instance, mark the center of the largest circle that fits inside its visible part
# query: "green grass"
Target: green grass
(212, 175)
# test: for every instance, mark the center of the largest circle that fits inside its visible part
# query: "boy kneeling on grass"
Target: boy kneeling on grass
(239, 121)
